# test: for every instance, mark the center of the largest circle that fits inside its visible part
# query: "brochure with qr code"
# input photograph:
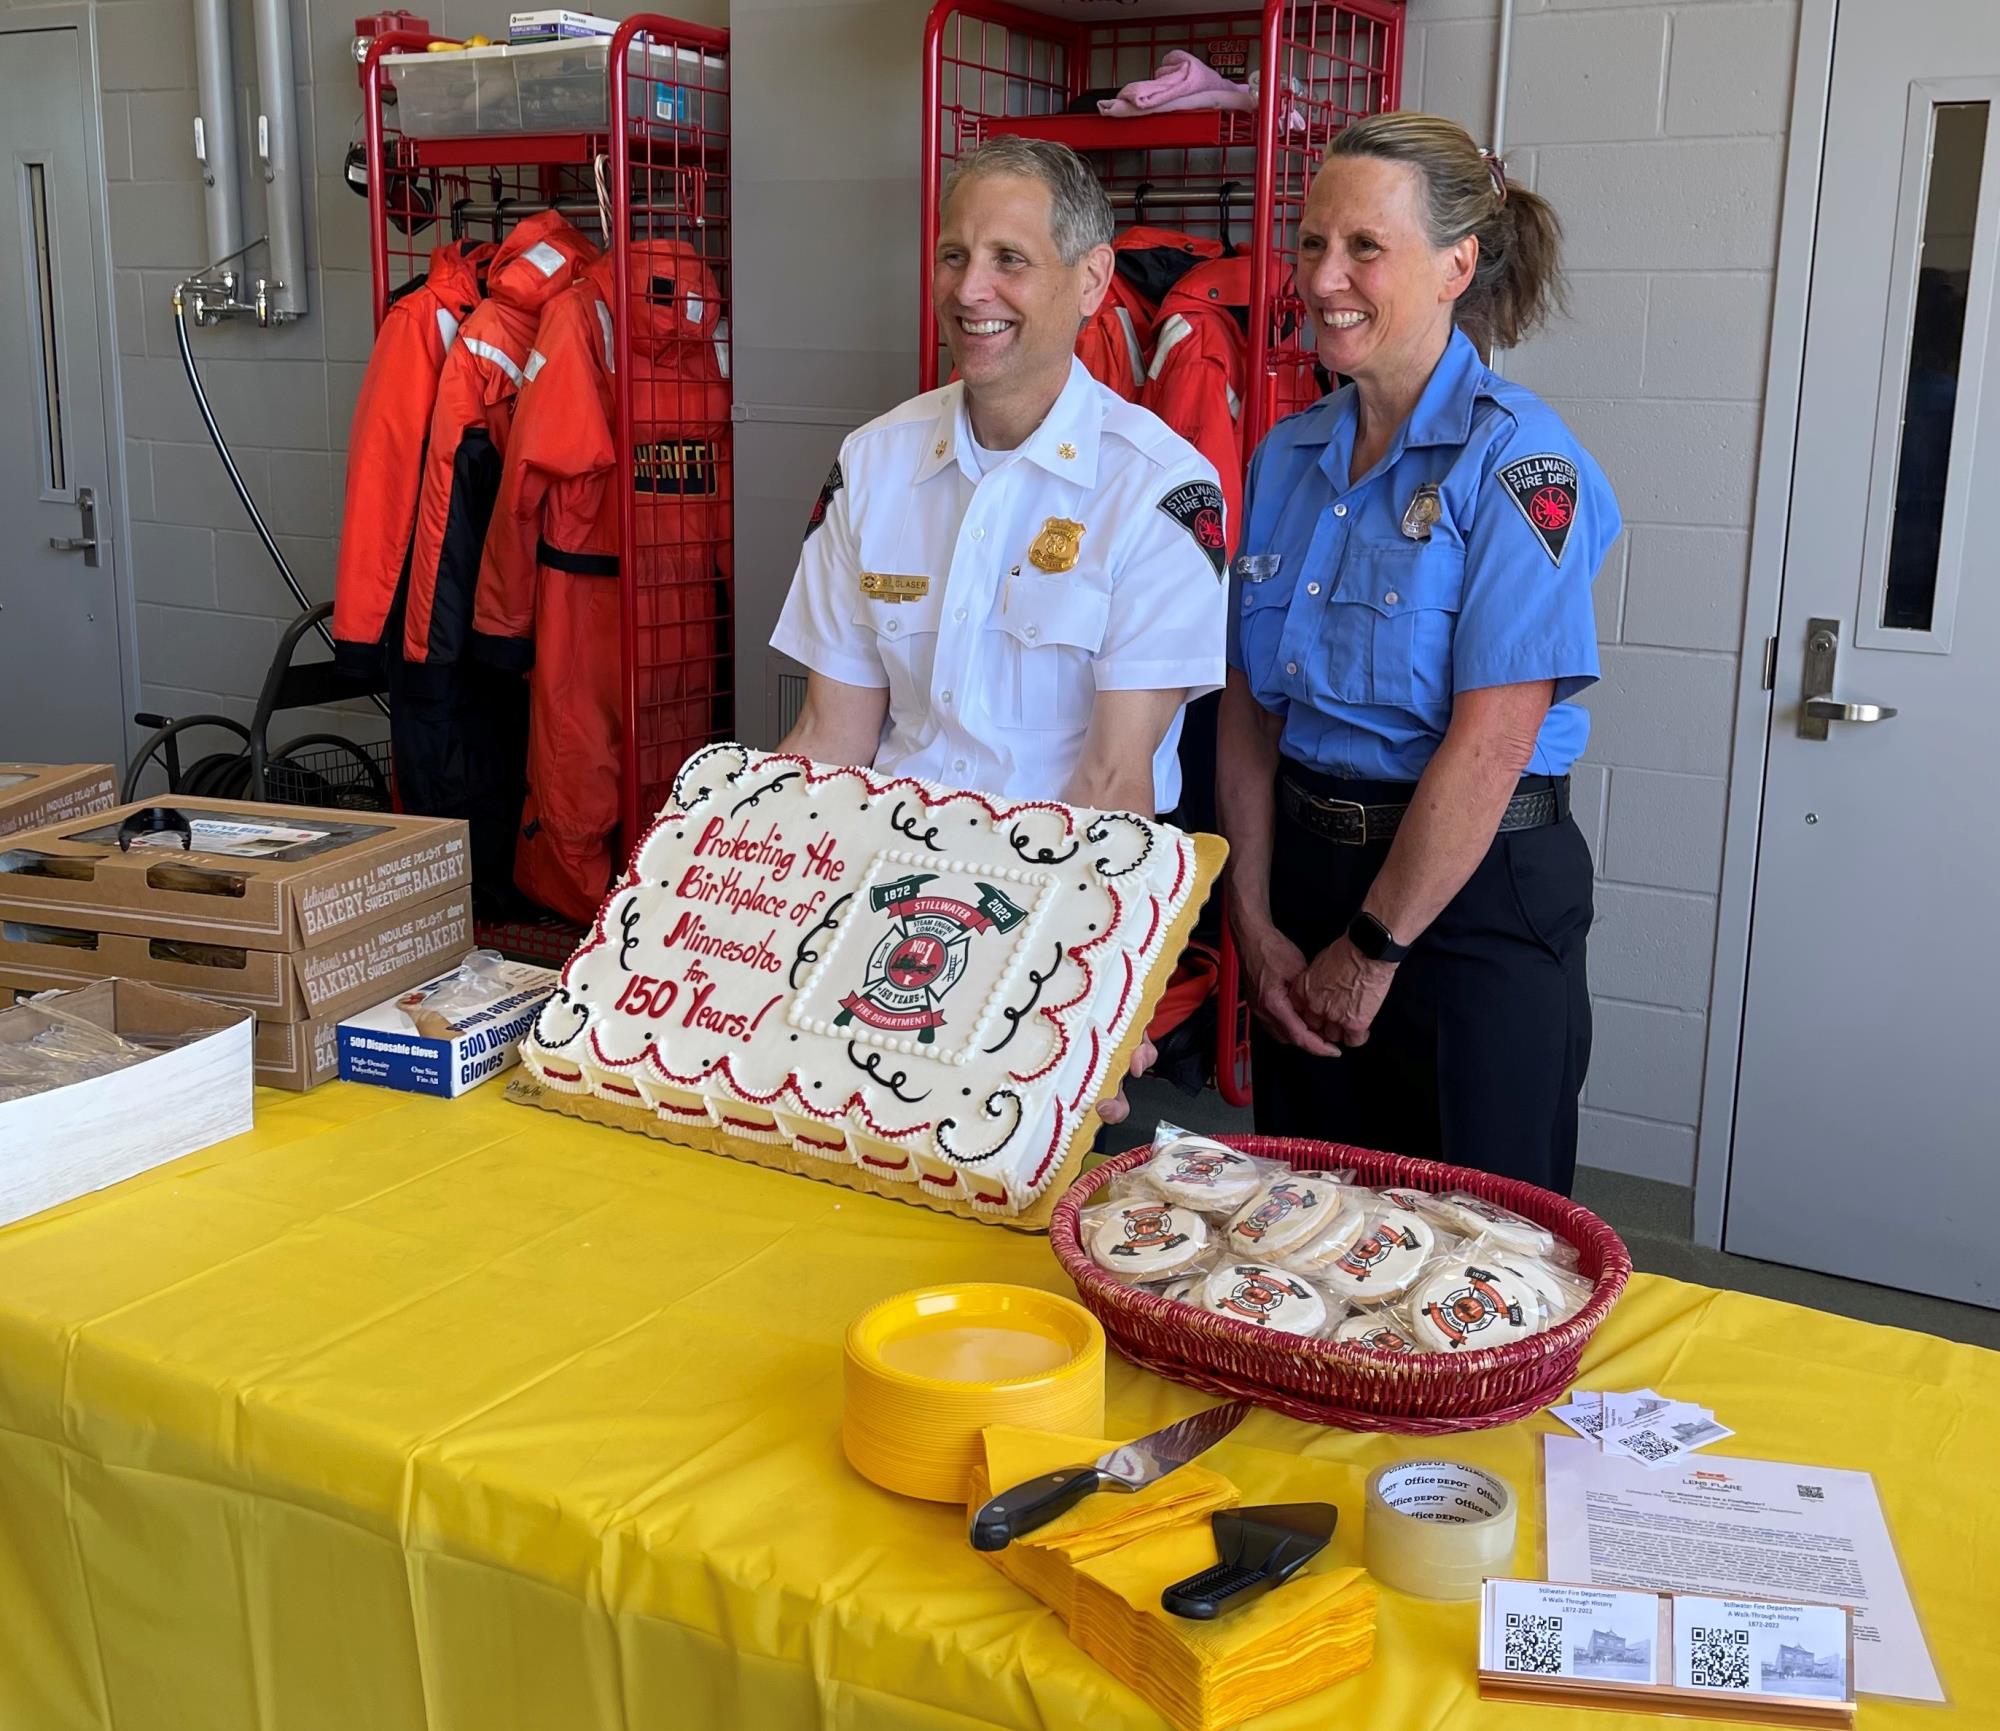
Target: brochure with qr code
(1535, 1629)
(1751, 1646)
(1709, 1524)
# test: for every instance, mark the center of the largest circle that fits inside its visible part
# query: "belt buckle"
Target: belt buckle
(1360, 812)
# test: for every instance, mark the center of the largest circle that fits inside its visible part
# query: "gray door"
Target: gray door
(61, 688)
(1867, 1137)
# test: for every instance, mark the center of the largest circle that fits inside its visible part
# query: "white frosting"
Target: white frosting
(871, 970)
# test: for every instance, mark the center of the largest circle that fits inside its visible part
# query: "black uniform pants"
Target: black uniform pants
(1478, 1053)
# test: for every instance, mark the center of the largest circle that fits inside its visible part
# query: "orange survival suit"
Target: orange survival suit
(1201, 361)
(1117, 340)
(460, 724)
(385, 452)
(553, 564)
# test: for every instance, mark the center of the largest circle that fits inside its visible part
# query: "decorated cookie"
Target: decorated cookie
(1375, 1331)
(1144, 1240)
(1198, 1173)
(1269, 1297)
(1474, 1217)
(1380, 1259)
(1287, 1213)
(1471, 1304)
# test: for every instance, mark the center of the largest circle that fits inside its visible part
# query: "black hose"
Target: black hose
(242, 491)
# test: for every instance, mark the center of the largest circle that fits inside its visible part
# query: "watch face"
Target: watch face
(1370, 936)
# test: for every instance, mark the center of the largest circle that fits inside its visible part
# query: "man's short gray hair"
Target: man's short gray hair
(1079, 213)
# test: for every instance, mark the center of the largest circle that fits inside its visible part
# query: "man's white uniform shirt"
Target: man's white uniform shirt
(994, 606)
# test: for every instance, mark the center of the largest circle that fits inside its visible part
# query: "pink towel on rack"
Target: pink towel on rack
(1181, 81)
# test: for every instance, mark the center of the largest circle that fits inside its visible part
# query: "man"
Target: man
(1014, 583)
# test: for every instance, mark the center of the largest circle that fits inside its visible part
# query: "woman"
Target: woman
(1408, 629)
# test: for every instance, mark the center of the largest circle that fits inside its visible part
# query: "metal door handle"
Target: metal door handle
(1832, 709)
(86, 543)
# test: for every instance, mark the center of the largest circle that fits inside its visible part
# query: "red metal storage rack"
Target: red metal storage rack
(660, 171)
(992, 67)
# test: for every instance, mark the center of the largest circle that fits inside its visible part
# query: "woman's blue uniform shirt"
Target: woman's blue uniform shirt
(1361, 635)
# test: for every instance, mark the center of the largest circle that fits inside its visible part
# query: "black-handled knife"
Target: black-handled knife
(1132, 1466)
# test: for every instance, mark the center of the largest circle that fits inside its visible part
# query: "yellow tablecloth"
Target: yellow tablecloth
(400, 1413)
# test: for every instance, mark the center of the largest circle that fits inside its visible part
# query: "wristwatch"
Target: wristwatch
(1374, 940)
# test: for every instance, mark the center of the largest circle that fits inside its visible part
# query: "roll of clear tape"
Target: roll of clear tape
(1437, 1529)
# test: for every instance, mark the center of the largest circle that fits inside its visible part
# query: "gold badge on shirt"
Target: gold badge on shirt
(888, 586)
(1058, 546)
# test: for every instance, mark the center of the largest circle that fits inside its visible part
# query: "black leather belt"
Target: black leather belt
(1353, 824)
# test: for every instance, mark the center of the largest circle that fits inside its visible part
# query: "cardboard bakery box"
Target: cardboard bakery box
(60, 1141)
(265, 877)
(35, 794)
(297, 1055)
(327, 980)
(451, 1033)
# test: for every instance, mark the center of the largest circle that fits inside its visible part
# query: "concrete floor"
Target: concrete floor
(1653, 1219)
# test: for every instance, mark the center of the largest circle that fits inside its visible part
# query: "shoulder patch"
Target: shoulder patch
(834, 483)
(1197, 507)
(1543, 489)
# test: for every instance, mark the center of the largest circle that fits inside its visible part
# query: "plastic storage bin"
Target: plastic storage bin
(553, 87)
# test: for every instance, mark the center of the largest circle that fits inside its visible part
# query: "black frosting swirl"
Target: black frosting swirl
(872, 1064)
(804, 956)
(947, 1128)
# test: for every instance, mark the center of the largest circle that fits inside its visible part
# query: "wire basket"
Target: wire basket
(1341, 1382)
(346, 777)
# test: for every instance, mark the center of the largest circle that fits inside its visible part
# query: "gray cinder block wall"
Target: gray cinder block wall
(1659, 132)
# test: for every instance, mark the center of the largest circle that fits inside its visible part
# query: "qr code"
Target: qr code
(1534, 1645)
(1649, 1445)
(1813, 1493)
(1720, 1659)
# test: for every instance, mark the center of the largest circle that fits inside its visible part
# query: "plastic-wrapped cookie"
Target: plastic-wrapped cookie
(1475, 1217)
(1197, 1173)
(1186, 1290)
(1145, 1240)
(1380, 1260)
(1473, 1304)
(1378, 1332)
(1269, 1297)
(1287, 1214)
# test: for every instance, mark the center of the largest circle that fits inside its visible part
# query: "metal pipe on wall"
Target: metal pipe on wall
(278, 147)
(215, 128)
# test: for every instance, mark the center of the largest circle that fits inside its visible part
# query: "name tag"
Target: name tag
(888, 586)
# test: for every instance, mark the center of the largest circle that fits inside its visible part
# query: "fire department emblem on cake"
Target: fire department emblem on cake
(923, 954)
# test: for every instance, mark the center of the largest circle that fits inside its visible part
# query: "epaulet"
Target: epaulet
(1146, 433)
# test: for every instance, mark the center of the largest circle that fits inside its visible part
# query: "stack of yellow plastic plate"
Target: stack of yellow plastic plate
(927, 1371)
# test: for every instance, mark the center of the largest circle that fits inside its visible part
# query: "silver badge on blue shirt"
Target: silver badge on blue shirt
(1258, 567)
(1423, 510)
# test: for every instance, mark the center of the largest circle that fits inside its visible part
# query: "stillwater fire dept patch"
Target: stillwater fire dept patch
(1197, 507)
(1543, 488)
(834, 482)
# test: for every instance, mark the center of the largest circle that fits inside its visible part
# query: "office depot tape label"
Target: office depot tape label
(1443, 1491)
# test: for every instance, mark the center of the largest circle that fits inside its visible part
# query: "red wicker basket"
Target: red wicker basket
(1344, 1383)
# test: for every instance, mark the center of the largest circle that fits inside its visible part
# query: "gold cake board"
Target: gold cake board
(1210, 851)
